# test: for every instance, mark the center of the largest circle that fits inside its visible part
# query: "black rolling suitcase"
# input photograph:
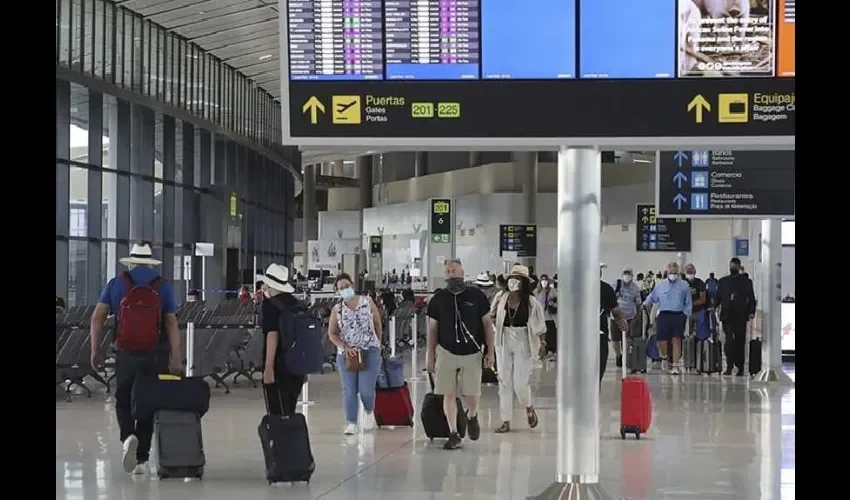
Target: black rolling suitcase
(180, 444)
(755, 356)
(434, 419)
(286, 448)
(711, 350)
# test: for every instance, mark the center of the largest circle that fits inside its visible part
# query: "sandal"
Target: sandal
(532, 417)
(504, 428)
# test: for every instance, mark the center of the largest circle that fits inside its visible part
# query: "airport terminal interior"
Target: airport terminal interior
(224, 145)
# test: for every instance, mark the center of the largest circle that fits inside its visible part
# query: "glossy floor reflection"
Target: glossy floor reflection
(711, 438)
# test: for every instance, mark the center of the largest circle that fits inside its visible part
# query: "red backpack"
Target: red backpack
(139, 317)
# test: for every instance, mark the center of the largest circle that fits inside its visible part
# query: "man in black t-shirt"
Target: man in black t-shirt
(608, 306)
(459, 330)
(281, 387)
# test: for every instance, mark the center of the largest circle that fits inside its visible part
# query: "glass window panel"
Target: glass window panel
(96, 29)
(180, 67)
(167, 69)
(159, 141)
(110, 204)
(76, 33)
(138, 68)
(178, 150)
(193, 69)
(77, 263)
(64, 32)
(196, 173)
(214, 83)
(78, 200)
(108, 260)
(109, 105)
(89, 33)
(178, 214)
(79, 136)
(150, 59)
(108, 41)
(159, 62)
(157, 211)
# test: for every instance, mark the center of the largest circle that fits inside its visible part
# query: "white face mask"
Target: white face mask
(691, 276)
(627, 278)
(544, 283)
(514, 285)
(672, 277)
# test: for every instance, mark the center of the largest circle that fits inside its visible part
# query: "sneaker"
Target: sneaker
(740, 372)
(454, 442)
(473, 427)
(128, 459)
(350, 429)
(675, 370)
(141, 468)
(504, 428)
(368, 422)
(728, 372)
(619, 361)
(664, 364)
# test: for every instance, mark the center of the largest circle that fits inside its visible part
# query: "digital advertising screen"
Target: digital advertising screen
(787, 39)
(726, 38)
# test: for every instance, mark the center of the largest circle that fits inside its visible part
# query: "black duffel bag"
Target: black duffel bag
(151, 394)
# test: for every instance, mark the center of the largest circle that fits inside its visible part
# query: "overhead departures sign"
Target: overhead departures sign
(432, 69)
(519, 238)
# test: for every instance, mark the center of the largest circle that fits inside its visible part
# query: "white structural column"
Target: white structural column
(771, 303)
(577, 391)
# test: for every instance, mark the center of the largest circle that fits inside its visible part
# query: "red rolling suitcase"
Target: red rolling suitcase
(393, 407)
(635, 406)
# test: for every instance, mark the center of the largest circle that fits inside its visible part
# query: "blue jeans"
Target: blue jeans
(362, 383)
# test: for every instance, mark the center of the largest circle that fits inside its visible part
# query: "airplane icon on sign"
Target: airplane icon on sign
(342, 107)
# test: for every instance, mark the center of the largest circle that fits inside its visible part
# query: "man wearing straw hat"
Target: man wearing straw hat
(139, 350)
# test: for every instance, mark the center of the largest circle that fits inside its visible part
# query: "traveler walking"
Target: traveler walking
(699, 299)
(737, 303)
(547, 295)
(147, 343)
(673, 297)
(460, 329)
(629, 301)
(520, 325)
(281, 387)
(355, 328)
(608, 307)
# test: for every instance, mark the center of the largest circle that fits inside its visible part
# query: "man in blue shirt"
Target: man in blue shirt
(136, 435)
(673, 296)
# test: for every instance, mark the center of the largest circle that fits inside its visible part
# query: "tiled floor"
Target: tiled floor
(711, 439)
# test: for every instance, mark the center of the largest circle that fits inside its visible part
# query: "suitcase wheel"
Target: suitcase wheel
(637, 436)
(163, 476)
(623, 432)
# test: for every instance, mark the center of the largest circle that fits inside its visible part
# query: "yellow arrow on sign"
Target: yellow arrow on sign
(314, 106)
(700, 104)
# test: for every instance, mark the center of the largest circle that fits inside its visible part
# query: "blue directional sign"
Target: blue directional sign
(699, 179)
(725, 183)
(742, 247)
(699, 159)
(699, 201)
(657, 234)
(680, 158)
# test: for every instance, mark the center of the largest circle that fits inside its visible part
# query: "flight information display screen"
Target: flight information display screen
(336, 40)
(540, 40)
(432, 39)
(521, 42)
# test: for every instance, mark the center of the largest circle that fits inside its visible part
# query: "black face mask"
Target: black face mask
(455, 285)
(734, 271)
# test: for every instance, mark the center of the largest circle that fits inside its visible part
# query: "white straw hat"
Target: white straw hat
(140, 254)
(277, 277)
(483, 279)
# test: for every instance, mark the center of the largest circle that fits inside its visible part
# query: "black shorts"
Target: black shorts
(670, 325)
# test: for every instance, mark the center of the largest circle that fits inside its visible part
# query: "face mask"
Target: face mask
(734, 270)
(346, 293)
(544, 284)
(691, 276)
(627, 278)
(672, 277)
(455, 285)
(513, 285)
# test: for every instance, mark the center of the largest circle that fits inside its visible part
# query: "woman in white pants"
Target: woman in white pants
(520, 326)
